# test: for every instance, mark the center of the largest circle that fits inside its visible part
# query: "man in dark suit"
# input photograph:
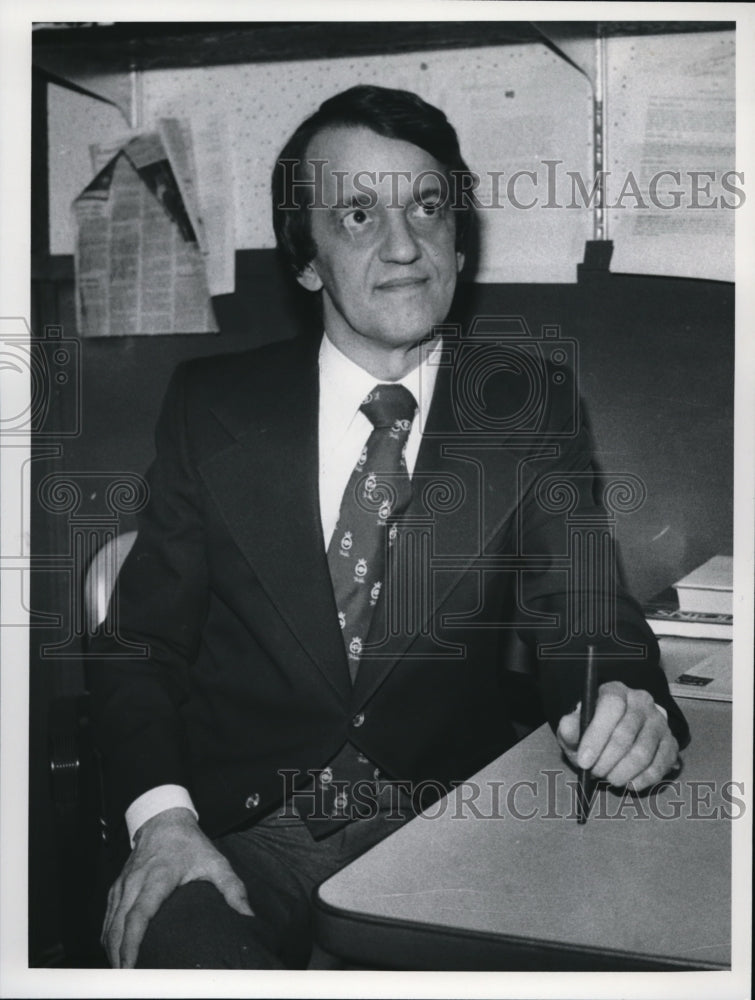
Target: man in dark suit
(341, 536)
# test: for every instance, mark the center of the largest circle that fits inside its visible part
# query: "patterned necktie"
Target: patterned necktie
(378, 492)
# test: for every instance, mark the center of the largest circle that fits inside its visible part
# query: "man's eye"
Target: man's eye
(427, 209)
(356, 219)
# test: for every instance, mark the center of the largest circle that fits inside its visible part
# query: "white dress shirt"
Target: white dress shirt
(344, 429)
(343, 432)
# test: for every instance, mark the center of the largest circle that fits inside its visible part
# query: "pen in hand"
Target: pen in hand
(587, 710)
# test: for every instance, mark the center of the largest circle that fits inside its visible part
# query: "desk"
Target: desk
(478, 888)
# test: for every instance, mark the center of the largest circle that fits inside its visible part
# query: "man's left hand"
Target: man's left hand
(628, 740)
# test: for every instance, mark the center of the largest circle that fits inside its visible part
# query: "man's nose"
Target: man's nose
(399, 244)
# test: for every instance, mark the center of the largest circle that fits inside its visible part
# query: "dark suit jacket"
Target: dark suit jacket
(228, 587)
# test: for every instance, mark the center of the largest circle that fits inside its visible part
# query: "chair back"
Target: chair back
(101, 576)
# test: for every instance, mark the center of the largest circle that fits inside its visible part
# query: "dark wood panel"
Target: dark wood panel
(161, 45)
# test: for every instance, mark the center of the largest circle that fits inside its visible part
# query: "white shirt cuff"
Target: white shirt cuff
(662, 710)
(155, 801)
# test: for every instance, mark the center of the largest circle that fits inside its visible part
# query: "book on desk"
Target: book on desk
(665, 617)
(694, 623)
(708, 588)
(699, 605)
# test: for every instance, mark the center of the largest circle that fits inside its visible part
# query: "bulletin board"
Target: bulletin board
(524, 117)
(671, 107)
(501, 100)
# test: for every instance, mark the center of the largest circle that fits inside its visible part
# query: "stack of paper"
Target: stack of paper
(697, 668)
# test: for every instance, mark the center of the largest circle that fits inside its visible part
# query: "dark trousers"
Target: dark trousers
(281, 865)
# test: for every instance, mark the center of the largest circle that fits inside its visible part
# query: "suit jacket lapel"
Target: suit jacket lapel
(266, 486)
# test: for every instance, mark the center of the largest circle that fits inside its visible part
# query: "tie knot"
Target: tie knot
(389, 403)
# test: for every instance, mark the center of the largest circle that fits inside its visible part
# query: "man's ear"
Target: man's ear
(309, 278)
(459, 261)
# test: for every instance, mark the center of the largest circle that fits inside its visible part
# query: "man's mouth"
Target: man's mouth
(394, 284)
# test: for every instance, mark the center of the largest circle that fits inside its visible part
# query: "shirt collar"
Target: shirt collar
(344, 384)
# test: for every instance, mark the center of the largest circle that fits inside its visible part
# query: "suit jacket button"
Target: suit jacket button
(253, 801)
(326, 775)
(358, 720)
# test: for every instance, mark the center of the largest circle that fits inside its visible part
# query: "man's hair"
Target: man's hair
(395, 114)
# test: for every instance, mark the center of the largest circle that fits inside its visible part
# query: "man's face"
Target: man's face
(386, 260)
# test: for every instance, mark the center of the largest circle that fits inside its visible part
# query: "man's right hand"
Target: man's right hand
(169, 850)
